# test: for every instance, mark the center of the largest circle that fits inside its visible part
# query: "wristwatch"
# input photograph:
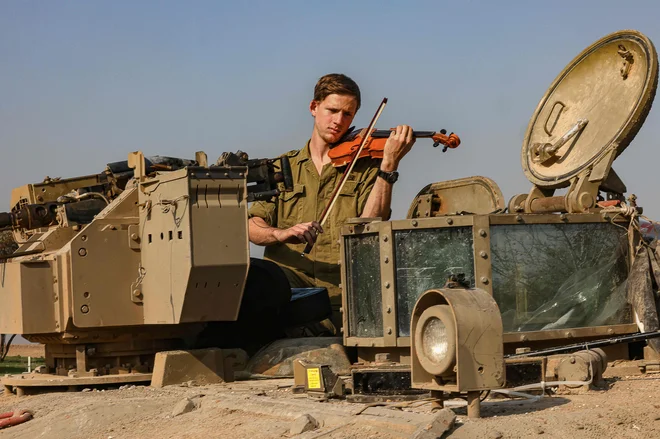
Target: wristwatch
(390, 177)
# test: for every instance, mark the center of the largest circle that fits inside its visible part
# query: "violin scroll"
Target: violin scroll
(452, 141)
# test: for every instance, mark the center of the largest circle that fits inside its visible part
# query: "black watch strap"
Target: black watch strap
(390, 177)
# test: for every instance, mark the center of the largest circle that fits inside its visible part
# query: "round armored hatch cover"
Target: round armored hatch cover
(596, 104)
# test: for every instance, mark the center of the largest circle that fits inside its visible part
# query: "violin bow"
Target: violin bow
(333, 198)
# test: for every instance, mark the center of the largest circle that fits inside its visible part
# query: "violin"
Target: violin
(345, 149)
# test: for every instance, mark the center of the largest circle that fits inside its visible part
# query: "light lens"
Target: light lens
(434, 340)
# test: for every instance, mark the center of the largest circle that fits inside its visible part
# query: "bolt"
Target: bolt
(83, 238)
(134, 236)
(482, 233)
(386, 259)
(389, 331)
(414, 223)
(450, 221)
(484, 280)
(226, 174)
(386, 238)
(84, 309)
(610, 331)
(208, 174)
(483, 254)
(387, 284)
(192, 174)
(519, 218)
(572, 360)
(563, 217)
(389, 309)
(82, 252)
(523, 338)
(137, 293)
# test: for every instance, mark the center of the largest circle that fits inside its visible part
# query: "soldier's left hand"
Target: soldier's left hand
(397, 146)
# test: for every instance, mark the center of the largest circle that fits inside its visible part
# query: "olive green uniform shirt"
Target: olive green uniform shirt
(311, 193)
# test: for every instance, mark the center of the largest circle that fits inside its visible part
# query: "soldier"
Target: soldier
(285, 225)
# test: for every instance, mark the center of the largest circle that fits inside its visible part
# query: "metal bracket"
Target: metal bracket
(628, 61)
(542, 152)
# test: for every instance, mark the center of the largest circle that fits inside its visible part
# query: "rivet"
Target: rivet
(389, 331)
(192, 174)
(414, 223)
(208, 174)
(83, 238)
(386, 238)
(482, 233)
(519, 218)
(387, 284)
(569, 334)
(610, 331)
(82, 252)
(134, 236)
(240, 174)
(137, 293)
(84, 309)
(386, 259)
(563, 217)
(450, 221)
(484, 280)
(523, 338)
(483, 254)
(389, 310)
(226, 174)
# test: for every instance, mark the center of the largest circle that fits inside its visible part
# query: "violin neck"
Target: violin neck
(379, 134)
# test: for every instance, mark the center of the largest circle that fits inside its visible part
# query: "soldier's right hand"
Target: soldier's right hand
(304, 233)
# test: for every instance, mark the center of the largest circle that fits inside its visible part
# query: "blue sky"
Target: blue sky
(84, 83)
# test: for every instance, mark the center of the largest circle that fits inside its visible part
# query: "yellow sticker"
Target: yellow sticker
(314, 378)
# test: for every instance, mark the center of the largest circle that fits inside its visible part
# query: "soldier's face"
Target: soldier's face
(333, 116)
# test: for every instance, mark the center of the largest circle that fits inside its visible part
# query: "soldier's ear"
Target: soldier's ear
(313, 107)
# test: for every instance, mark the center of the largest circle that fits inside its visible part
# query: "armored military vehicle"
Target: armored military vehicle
(115, 267)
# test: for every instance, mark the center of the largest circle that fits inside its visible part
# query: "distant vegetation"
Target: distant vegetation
(7, 243)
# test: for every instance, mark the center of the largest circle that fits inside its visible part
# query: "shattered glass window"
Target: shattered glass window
(425, 258)
(556, 276)
(364, 294)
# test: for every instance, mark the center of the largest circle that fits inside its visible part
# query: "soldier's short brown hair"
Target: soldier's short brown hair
(336, 83)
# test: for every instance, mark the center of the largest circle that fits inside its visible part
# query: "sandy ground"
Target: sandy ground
(629, 408)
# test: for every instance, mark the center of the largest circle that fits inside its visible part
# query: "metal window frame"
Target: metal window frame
(480, 225)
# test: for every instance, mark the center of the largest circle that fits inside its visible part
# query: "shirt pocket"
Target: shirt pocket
(346, 207)
(291, 206)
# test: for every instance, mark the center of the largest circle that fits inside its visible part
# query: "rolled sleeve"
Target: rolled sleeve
(266, 210)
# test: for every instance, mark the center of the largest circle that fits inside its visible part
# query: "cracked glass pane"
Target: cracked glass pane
(364, 293)
(556, 276)
(425, 258)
